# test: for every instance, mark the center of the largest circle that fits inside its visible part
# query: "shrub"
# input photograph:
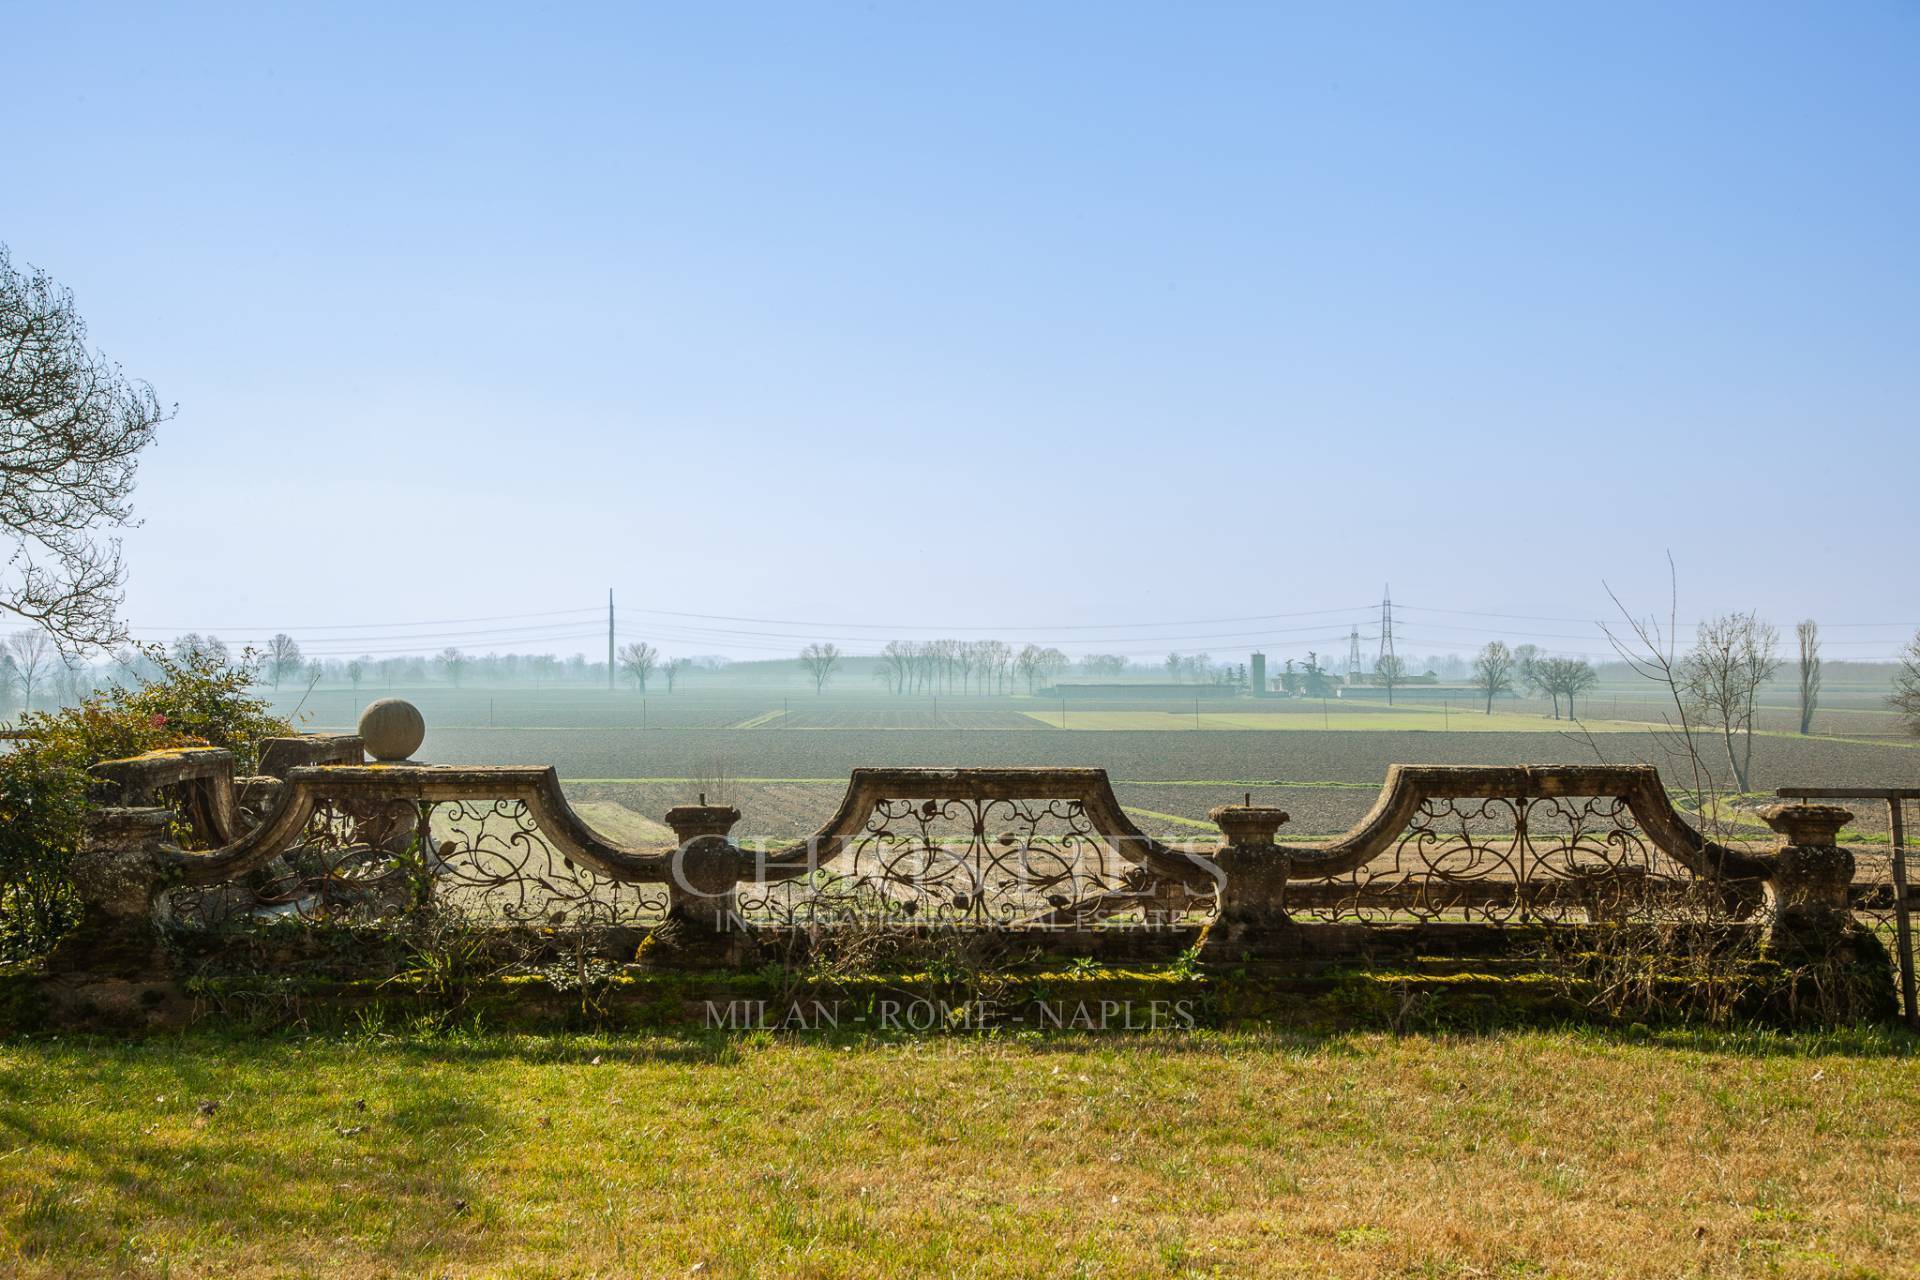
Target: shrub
(196, 701)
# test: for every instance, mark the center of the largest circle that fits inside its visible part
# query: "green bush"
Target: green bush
(198, 701)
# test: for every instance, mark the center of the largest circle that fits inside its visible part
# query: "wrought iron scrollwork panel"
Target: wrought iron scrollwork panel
(485, 860)
(957, 861)
(489, 861)
(348, 862)
(1501, 859)
(1876, 902)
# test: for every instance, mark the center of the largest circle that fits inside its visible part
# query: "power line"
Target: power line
(719, 635)
(1610, 622)
(362, 626)
(375, 651)
(393, 638)
(1007, 630)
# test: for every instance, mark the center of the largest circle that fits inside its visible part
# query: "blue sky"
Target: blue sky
(1023, 317)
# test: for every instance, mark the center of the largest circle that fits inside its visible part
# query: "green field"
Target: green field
(1440, 719)
(784, 756)
(1227, 758)
(1855, 713)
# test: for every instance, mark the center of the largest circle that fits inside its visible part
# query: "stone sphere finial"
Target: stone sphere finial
(392, 729)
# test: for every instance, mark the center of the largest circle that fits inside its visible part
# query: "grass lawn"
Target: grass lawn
(1517, 1154)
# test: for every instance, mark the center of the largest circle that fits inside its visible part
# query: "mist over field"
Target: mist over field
(1177, 737)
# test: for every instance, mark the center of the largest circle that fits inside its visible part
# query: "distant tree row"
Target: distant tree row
(1498, 669)
(1718, 681)
(966, 666)
(640, 662)
(1183, 667)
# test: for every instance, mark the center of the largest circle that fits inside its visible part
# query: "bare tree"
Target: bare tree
(1390, 671)
(1028, 663)
(194, 647)
(991, 659)
(986, 658)
(356, 672)
(30, 651)
(1732, 657)
(1647, 645)
(137, 663)
(283, 658)
(1905, 697)
(964, 659)
(1047, 665)
(946, 655)
(894, 666)
(638, 659)
(673, 669)
(1524, 658)
(1580, 677)
(72, 426)
(820, 661)
(454, 663)
(1808, 634)
(1493, 671)
(73, 680)
(1565, 678)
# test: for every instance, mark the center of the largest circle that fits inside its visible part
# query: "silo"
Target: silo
(1257, 675)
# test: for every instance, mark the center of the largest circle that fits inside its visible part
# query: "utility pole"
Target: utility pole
(609, 639)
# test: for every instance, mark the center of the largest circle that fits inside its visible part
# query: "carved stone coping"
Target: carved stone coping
(279, 756)
(134, 778)
(1408, 787)
(206, 773)
(536, 786)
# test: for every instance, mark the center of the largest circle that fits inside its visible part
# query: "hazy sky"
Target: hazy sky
(1024, 318)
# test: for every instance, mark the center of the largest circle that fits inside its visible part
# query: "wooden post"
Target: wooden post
(1902, 927)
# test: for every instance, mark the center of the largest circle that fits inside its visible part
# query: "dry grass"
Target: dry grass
(1565, 1154)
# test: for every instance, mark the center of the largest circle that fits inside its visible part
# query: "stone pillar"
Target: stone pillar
(1837, 970)
(702, 887)
(120, 874)
(1252, 917)
(1808, 907)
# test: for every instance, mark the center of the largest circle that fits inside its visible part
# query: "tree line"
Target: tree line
(1715, 686)
(965, 666)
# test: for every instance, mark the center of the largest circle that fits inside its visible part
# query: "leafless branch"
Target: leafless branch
(72, 427)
